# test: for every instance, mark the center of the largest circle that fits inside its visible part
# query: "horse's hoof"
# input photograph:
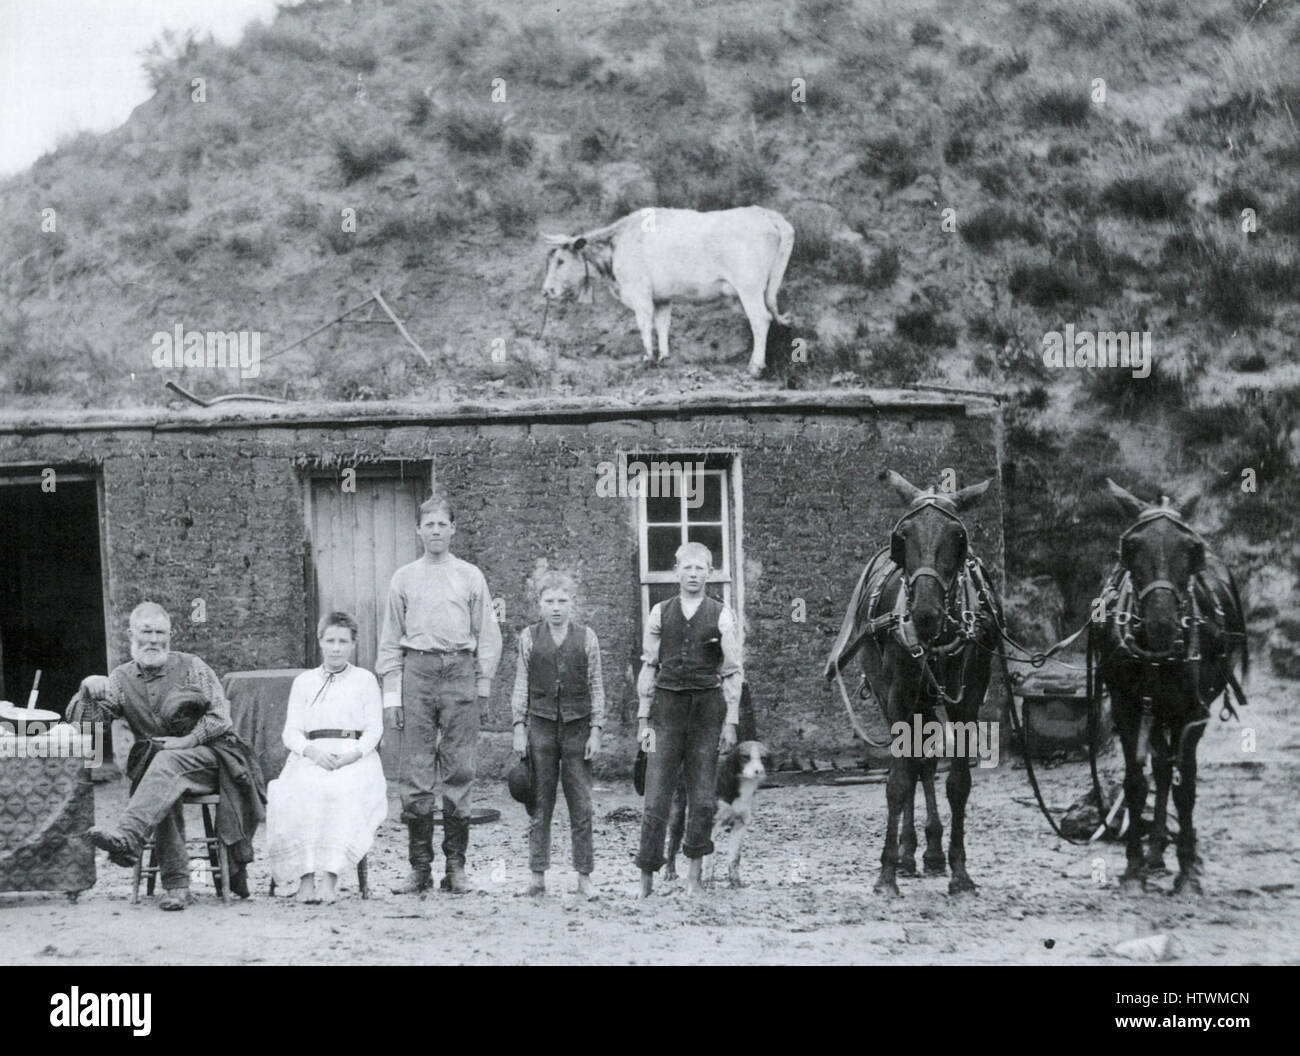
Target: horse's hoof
(1188, 885)
(961, 885)
(1154, 865)
(888, 888)
(1132, 883)
(935, 866)
(907, 867)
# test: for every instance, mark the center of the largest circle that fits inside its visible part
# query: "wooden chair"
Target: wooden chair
(217, 856)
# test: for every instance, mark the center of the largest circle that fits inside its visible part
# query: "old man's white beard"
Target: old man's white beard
(147, 657)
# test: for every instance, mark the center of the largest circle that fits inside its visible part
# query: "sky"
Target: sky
(68, 66)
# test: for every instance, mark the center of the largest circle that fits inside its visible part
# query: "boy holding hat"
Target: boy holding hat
(558, 706)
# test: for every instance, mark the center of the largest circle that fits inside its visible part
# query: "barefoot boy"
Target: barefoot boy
(689, 686)
(558, 707)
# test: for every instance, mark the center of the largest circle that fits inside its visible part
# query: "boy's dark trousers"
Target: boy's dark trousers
(687, 725)
(557, 750)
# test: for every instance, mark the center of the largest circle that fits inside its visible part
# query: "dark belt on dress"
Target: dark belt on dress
(347, 735)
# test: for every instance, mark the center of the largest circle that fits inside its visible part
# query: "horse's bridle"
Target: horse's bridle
(945, 507)
(1128, 616)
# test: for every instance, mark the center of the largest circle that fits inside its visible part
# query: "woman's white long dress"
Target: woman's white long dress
(318, 820)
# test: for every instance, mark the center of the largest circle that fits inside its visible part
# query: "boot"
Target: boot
(419, 832)
(120, 849)
(454, 844)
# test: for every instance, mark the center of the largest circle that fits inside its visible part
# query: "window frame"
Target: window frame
(725, 463)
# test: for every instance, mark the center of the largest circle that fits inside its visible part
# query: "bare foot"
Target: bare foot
(647, 883)
(586, 889)
(695, 878)
(538, 884)
(329, 889)
(307, 890)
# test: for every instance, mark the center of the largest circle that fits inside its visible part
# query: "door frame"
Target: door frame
(385, 469)
(12, 473)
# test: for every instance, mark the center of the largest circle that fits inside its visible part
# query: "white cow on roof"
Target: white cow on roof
(655, 255)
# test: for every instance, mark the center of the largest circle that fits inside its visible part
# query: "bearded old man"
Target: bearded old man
(174, 705)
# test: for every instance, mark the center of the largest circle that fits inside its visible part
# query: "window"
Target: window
(685, 498)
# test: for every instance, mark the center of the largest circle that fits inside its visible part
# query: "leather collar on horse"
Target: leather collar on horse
(961, 594)
(968, 600)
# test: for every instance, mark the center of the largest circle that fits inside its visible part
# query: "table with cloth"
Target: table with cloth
(259, 702)
(46, 806)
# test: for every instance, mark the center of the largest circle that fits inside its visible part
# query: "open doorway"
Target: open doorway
(51, 586)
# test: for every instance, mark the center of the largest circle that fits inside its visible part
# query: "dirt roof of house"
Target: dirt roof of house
(235, 413)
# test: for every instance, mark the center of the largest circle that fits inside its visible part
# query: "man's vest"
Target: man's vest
(144, 690)
(690, 651)
(557, 674)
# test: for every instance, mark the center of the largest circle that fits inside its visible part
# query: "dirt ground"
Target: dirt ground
(810, 864)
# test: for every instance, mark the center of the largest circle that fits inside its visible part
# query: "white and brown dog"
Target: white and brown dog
(740, 772)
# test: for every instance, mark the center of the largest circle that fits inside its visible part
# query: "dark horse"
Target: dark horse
(924, 612)
(1173, 626)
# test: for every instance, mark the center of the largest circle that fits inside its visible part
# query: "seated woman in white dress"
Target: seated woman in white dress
(323, 810)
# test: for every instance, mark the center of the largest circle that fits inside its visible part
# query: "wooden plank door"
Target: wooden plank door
(358, 539)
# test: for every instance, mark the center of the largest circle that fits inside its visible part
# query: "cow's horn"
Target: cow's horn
(557, 240)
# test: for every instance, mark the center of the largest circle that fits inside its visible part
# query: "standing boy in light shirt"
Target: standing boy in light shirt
(689, 688)
(558, 708)
(437, 654)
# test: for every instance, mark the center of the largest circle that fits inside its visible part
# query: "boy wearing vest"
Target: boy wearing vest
(558, 707)
(689, 690)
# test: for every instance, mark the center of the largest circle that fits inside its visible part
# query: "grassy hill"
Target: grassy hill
(1109, 206)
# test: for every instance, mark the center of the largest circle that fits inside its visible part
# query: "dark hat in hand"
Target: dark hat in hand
(638, 771)
(522, 785)
(181, 710)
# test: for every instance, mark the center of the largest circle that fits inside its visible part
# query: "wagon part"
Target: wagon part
(1019, 731)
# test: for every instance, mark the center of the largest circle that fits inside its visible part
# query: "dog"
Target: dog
(740, 772)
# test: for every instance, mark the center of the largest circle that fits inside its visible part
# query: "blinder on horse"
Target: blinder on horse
(1128, 549)
(1185, 597)
(1128, 544)
(896, 540)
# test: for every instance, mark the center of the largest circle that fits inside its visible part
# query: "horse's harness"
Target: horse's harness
(1121, 608)
(1121, 614)
(968, 596)
(1120, 611)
